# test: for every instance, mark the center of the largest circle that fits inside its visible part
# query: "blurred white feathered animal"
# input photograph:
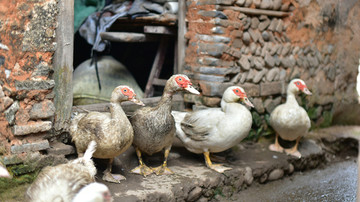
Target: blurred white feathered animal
(63, 182)
(94, 192)
(4, 172)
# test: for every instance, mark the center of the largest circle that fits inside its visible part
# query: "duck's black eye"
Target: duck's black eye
(237, 91)
(297, 83)
(125, 90)
(180, 79)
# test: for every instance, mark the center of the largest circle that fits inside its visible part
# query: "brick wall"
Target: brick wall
(27, 30)
(262, 44)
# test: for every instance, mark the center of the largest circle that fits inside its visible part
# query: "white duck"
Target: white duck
(94, 192)
(63, 182)
(289, 120)
(215, 129)
(112, 131)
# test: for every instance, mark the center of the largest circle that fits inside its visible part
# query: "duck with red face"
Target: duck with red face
(112, 131)
(215, 130)
(154, 127)
(289, 120)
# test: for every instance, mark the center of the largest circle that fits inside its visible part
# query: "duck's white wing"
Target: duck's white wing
(199, 124)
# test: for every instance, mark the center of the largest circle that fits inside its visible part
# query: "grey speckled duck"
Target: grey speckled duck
(154, 127)
(289, 120)
(112, 131)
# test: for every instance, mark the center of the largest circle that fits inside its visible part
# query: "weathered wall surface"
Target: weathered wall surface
(262, 51)
(27, 34)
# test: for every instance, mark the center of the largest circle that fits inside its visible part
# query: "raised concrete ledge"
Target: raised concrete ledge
(193, 181)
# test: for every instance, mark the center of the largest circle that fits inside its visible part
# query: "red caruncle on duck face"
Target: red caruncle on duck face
(300, 85)
(182, 81)
(239, 93)
(126, 91)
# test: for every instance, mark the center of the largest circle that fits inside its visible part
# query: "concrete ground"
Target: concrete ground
(252, 164)
(336, 182)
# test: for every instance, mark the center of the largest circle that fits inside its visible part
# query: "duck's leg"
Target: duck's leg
(294, 150)
(276, 146)
(163, 169)
(142, 169)
(217, 167)
(109, 177)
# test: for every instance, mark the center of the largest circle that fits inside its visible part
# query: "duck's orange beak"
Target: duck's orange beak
(191, 89)
(247, 102)
(307, 91)
(137, 101)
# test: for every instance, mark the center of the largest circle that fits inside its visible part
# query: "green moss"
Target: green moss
(327, 116)
(14, 189)
(258, 132)
(15, 194)
(312, 113)
(21, 169)
(260, 126)
(218, 191)
(304, 101)
(257, 119)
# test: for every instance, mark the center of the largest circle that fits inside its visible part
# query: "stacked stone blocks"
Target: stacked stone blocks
(253, 51)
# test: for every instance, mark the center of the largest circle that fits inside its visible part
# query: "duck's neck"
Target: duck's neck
(116, 111)
(230, 107)
(165, 101)
(290, 98)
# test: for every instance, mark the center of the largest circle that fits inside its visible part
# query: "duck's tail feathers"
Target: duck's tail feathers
(178, 116)
(90, 150)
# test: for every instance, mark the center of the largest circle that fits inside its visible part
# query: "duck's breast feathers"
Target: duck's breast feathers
(151, 119)
(94, 124)
(198, 125)
(289, 117)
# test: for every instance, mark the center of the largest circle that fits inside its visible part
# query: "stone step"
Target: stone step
(193, 181)
(59, 148)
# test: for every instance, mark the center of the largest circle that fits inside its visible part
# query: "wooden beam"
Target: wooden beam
(156, 67)
(63, 66)
(253, 11)
(159, 30)
(181, 42)
(159, 82)
(130, 107)
(128, 37)
(164, 19)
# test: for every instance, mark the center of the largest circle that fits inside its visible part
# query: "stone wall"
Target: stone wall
(27, 30)
(262, 44)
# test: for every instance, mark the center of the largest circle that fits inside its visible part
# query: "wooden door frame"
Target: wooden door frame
(63, 65)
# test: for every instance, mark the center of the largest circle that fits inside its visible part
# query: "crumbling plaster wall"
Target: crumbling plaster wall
(317, 41)
(27, 37)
